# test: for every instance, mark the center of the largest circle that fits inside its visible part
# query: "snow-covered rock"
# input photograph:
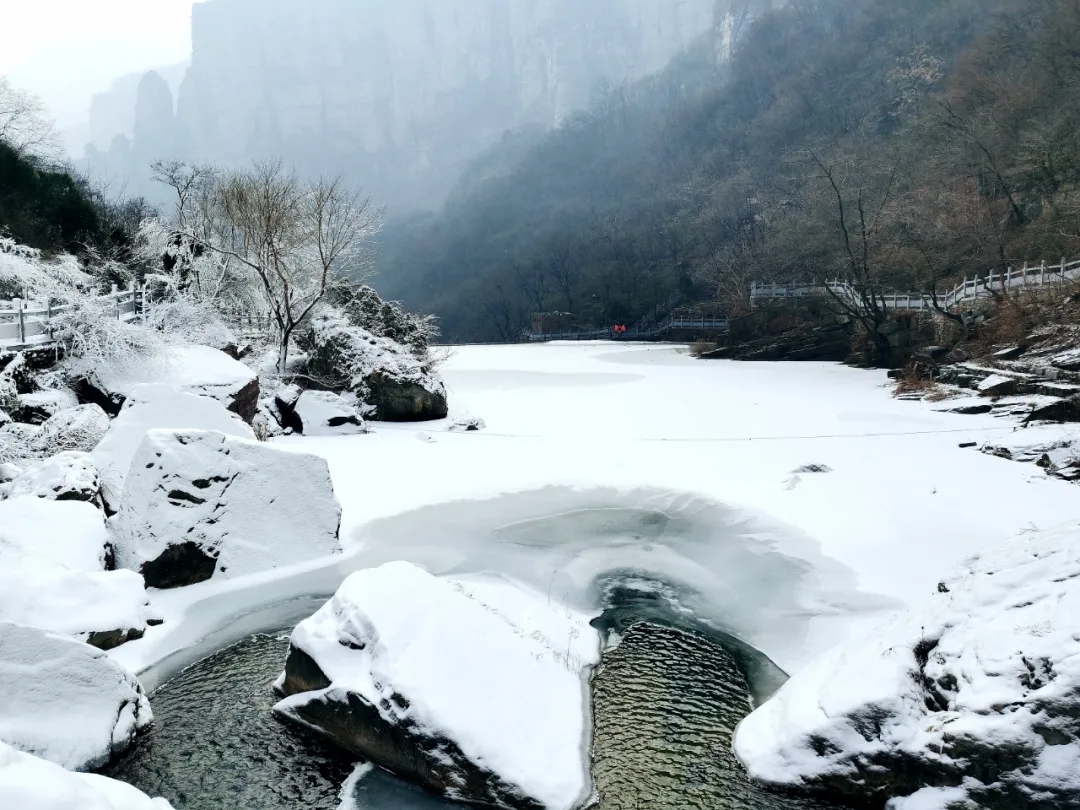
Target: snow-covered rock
(63, 477)
(78, 429)
(467, 424)
(475, 690)
(52, 573)
(40, 406)
(156, 407)
(321, 413)
(65, 701)
(997, 385)
(195, 369)
(198, 504)
(383, 374)
(978, 688)
(31, 783)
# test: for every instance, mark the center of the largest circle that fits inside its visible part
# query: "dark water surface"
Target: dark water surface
(666, 703)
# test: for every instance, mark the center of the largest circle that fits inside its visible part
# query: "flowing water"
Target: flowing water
(666, 702)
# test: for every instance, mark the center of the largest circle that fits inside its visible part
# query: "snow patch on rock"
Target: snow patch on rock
(197, 370)
(981, 681)
(481, 677)
(235, 506)
(63, 477)
(52, 573)
(157, 407)
(65, 701)
(321, 413)
(30, 783)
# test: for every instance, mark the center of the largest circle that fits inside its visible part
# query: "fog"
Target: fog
(399, 97)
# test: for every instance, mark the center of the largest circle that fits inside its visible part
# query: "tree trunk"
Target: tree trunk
(283, 353)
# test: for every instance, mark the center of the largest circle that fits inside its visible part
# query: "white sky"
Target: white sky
(66, 50)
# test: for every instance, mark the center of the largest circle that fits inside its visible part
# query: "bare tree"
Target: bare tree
(24, 124)
(298, 241)
(533, 281)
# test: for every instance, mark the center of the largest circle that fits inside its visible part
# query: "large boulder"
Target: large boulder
(156, 407)
(63, 477)
(475, 691)
(200, 504)
(198, 370)
(53, 560)
(394, 384)
(975, 692)
(31, 783)
(65, 701)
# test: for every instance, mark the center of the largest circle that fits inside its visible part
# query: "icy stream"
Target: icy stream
(675, 561)
(666, 702)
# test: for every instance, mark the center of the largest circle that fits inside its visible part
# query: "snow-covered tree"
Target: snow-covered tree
(24, 125)
(268, 239)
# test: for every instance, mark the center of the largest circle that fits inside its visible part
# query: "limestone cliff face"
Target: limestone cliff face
(402, 95)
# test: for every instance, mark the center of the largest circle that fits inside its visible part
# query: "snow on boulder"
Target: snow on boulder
(198, 504)
(977, 689)
(321, 413)
(156, 407)
(197, 370)
(477, 691)
(76, 429)
(31, 783)
(63, 477)
(52, 573)
(40, 406)
(383, 374)
(65, 701)
(998, 385)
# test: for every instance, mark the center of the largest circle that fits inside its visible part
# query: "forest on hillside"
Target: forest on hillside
(894, 145)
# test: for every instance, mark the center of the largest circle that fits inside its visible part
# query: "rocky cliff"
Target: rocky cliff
(401, 96)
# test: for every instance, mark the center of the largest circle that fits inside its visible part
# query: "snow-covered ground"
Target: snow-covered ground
(790, 562)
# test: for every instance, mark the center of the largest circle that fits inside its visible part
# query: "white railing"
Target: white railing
(29, 325)
(968, 290)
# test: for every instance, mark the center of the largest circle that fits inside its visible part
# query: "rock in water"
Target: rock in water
(52, 573)
(65, 701)
(477, 691)
(977, 689)
(63, 477)
(201, 504)
(154, 407)
(321, 413)
(30, 783)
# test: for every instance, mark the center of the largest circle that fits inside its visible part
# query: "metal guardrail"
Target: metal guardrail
(1039, 275)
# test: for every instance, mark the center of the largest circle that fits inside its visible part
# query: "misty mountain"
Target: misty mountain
(400, 96)
(892, 145)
